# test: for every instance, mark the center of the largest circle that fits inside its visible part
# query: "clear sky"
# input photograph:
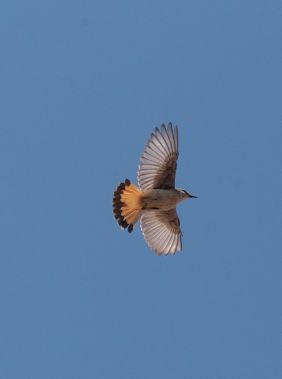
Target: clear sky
(83, 84)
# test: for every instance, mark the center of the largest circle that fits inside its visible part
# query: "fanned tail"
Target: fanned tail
(127, 204)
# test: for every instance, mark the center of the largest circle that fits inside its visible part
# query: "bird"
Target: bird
(154, 201)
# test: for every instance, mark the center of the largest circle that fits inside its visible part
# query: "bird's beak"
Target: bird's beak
(193, 197)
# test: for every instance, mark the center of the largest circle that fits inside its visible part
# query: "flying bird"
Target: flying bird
(154, 203)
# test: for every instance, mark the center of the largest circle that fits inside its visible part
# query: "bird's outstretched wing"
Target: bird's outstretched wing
(161, 230)
(159, 160)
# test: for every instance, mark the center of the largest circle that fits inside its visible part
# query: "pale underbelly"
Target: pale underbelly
(160, 199)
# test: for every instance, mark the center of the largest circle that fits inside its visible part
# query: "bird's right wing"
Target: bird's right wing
(157, 167)
(161, 230)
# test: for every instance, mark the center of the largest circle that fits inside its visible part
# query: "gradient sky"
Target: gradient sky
(83, 84)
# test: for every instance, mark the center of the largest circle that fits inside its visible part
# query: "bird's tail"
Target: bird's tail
(127, 204)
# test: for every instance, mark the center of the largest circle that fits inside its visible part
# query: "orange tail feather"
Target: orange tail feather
(127, 204)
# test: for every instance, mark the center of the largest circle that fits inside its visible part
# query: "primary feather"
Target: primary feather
(158, 162)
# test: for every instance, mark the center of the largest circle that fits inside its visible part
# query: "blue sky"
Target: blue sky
(83, 84)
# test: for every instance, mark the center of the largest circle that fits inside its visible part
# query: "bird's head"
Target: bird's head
(185, 195)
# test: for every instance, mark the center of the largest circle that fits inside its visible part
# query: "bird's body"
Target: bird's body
(155, 202)
(163, 199)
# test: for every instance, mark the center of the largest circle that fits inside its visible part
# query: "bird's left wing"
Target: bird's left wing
(157, 167)
(161, 230)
